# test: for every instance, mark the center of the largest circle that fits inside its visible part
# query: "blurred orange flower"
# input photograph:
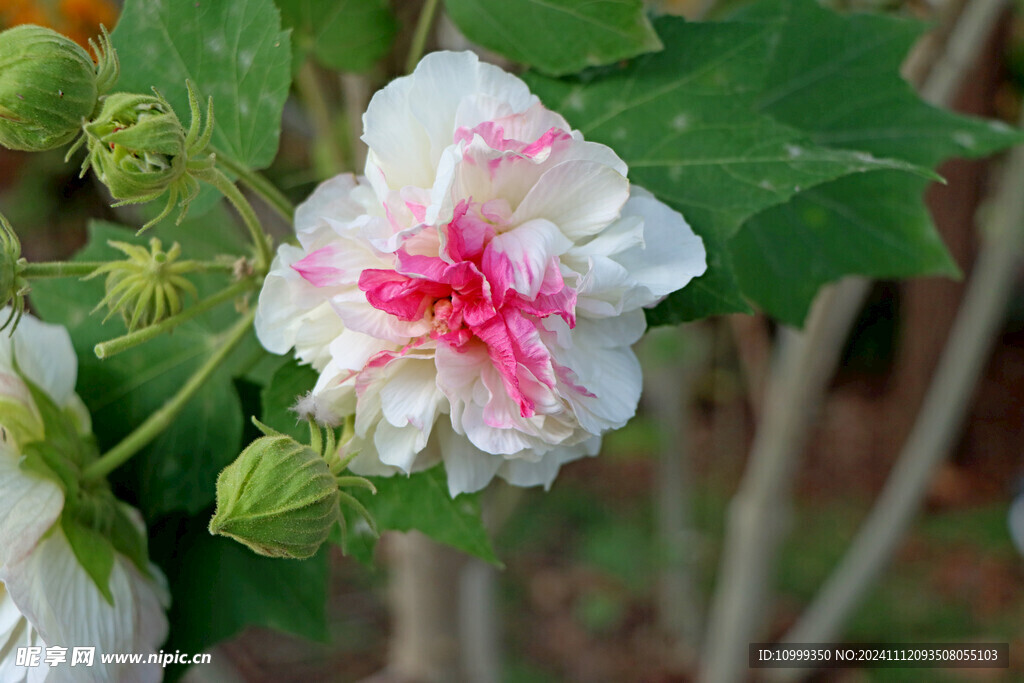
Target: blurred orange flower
(77, 19)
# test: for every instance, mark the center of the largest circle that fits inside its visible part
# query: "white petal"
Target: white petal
(411, 121)
(16, 632)
(398, 446)
(529, 249)
(580, 197)
(286, 301)
(468, 468)
(45, 355)
(671, 255)
(410, 396)
(339, 199)
(520, 472)
(29, 505)
(57, 596)
(606, 367)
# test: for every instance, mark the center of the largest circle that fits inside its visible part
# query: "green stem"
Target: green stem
(55, 269)
(220, 181)
(308, 85)
(259, 184)
(419, 38)
(115, 346)
(47, 269)
(162, 418)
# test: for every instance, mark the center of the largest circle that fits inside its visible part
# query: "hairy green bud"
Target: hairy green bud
(279, 498)
(13, 285)
(136, 146)
(48, 86)
(139, 149)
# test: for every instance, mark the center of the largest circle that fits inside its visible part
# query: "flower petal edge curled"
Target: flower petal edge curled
(47, 598)
(475, 295)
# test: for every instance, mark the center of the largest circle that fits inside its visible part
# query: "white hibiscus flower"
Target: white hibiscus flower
(47, 598)
(482, 285)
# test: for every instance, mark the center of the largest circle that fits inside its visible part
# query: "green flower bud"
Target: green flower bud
(147, 286)
(48, 85)
(13, 286)
(139, 149)
(136, 146)
(279, 498)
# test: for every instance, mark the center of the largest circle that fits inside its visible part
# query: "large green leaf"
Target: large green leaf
(557, 36)
(838, 78)
(233, 51)
(874, 225)
(220, 587)
(342, 34)
(685, 121)
(421, 502)
(851, 97)
(179, 469)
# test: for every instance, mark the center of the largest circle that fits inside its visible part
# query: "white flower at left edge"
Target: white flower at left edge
(47, 599)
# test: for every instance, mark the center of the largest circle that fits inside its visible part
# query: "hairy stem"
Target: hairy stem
(162, 418)
(53, 269)
(115, 346)
(258, 183)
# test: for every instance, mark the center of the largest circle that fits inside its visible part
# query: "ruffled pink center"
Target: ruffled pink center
(468, 294)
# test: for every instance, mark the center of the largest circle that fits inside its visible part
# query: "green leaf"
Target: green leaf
(127, 538)
(93, 552)
(874, 225)
(421, 502)
(685, 121)
(557, 36)
(235, 52)
(61, 430)
(221, 587)
(838, 78)
(289, 382)
(179, 469)
(853, 97)
(343, 34)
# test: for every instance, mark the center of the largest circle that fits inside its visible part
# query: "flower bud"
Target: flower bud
(13, 286)
(48, 85)
(147, 286)
(278, 497)
(136, 146)
(139, 149)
